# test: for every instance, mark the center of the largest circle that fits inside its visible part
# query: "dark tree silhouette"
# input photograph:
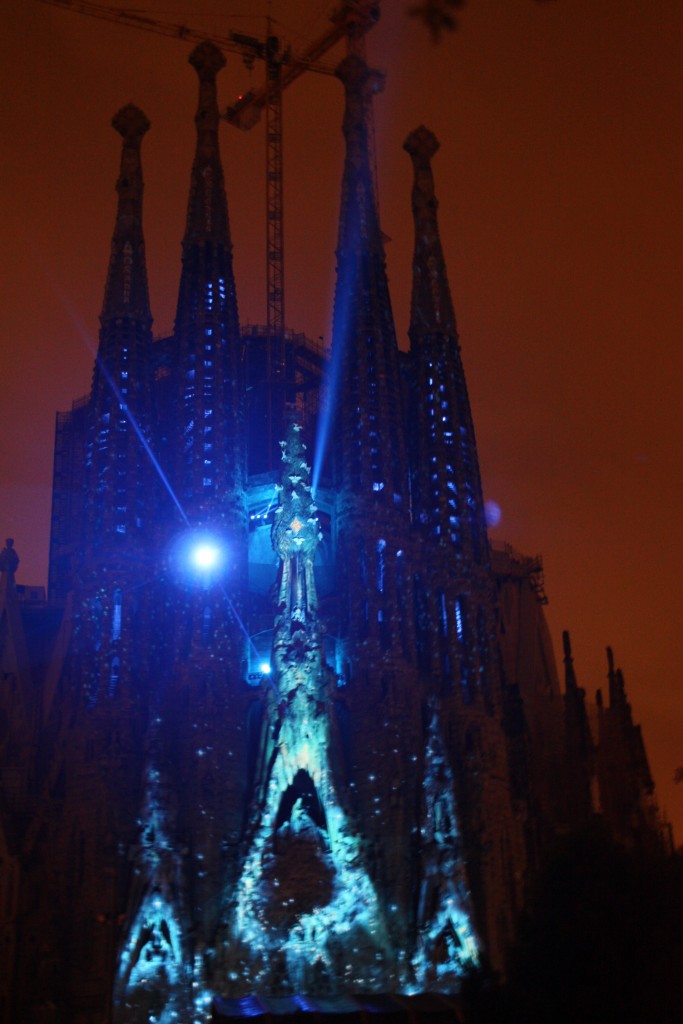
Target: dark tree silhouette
(439, 16)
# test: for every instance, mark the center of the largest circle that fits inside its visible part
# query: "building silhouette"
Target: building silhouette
(286, 723)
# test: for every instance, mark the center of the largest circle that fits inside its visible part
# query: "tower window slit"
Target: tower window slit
(381, 547)
(207, 632)
(114, 676)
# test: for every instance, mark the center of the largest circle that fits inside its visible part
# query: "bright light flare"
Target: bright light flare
(205, 556)
(198, 558)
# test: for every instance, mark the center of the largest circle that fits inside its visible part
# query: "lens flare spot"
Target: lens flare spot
(205, 556)
(199, 558)
(493, 513)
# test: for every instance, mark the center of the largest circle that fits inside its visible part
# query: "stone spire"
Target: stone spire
(126, 292)
(625, 781)
(207, 212)
(208, 429)
(296, 535)
(579, 754)
(431, 306)
(447, 494)
(364, 340)
(117, 469)
(204, 639)
(371, 460)
(570, 683)
(375, 648)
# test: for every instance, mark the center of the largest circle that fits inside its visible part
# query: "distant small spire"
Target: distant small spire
(431, 306)
(569, 674)
(126, 292)
(612, 679)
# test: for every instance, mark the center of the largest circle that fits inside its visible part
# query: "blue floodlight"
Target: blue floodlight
(264, 668)
(198, 558)
(205, 555)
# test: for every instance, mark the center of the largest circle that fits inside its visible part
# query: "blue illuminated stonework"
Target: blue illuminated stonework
(288, 728)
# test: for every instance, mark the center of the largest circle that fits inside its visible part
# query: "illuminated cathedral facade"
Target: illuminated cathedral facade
(286, 727)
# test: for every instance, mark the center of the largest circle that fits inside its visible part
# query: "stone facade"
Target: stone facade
(286, 724)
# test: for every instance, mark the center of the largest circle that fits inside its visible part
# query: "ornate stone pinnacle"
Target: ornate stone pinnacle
(356, 75)
(207, 60)
(130, 122)
(421, 144)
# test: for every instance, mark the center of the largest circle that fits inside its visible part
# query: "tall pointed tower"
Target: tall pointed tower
(209, 434)
(447, 496)
(375, 623)
(206, 530)
(120, 488)
(197, 742)
(306, 915)
(453, 585)
(95, 703)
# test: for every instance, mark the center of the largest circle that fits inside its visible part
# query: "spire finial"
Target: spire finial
(421, 144)
(131, 123)
(207, 60)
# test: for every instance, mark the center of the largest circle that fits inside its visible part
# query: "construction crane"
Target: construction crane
(351, 20)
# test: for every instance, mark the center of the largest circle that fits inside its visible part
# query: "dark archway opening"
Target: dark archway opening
(302, 788)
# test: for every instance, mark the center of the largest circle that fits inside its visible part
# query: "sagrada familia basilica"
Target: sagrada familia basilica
(287, 726)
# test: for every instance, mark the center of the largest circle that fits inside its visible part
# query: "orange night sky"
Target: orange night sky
(559, 179)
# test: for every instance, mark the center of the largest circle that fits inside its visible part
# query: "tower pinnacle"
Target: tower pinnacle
(126, 292)
(207, 60)
(431, 301)
(569, 673)
(209, 448)
(364, 338)
(119, 495)
(358, 222)
(446, 481)
(207, 213)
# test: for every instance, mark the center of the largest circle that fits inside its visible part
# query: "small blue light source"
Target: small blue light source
(205, 556)
(198, 557)
(492, 513)
(265, 668)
